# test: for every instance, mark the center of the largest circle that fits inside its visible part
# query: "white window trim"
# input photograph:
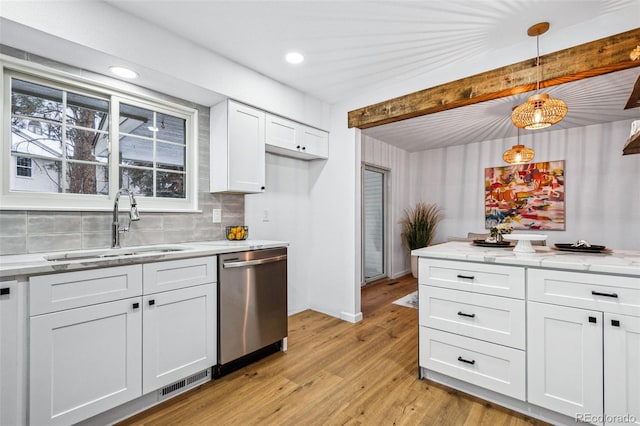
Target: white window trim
(17, 200)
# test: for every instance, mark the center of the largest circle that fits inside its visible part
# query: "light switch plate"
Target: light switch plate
(217, 215)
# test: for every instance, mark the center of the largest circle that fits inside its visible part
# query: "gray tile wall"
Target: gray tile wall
(40, 231)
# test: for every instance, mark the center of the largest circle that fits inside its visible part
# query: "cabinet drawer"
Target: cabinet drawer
(175, 274)
(607, 293)
(488, 365)
(497, 280)
(55, 292)
(494, 319)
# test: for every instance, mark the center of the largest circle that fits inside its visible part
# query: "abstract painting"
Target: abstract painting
(527, 196)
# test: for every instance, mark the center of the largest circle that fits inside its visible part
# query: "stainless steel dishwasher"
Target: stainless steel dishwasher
(252, 306)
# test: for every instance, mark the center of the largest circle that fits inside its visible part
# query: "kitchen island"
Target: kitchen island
(552, 334)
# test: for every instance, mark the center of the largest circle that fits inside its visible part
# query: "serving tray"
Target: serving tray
(500, 244)
(569, 247)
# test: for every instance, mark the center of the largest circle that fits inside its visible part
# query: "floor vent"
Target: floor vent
(184, 384)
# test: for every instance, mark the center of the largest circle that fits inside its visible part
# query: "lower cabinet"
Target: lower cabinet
(84, 361)
(564, 351)
(178, 334)
(11, 391)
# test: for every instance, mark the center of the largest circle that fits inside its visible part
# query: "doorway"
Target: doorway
(374, 223)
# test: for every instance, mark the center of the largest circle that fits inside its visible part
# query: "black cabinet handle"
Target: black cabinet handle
(466, 277)
(593, 320)
(462, 314)
(304, 147)
(597, 293)
(152, 302)
(136, 305)
(615, 323)
(4, 291)
(473, 361)
(262, 187)
(298, 147)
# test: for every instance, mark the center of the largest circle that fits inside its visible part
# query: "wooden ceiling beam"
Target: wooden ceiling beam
(575, 63)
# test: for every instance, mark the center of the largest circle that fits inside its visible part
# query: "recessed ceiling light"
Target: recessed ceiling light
(123, 72)
(294, 58)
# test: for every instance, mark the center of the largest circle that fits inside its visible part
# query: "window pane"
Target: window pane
(170, 156)
(137, 180)
(87, 179)
(136, 121)
(34, 100)
(170, 128)
(45, 177)
(85, 111)
(23, 166)
(170, 185)
(36, 137)
(81, 144)
(136, 152)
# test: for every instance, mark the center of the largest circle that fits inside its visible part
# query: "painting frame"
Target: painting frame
(527, 196)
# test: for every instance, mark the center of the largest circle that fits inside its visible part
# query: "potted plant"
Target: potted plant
(419, 228)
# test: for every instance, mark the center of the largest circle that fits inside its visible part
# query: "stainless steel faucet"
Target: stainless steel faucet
(116, 229)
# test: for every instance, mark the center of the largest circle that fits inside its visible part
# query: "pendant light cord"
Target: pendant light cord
(538, 64)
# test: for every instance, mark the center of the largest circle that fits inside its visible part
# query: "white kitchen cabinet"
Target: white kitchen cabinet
(12, 301)
(472, 323)
(292, 139)
(84, 361)
(564, 351)
(622, 369)
(237, 148)
(179, 334)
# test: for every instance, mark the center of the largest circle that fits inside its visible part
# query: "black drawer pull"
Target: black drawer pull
(4, 291)
(615, 323)
(462, 314)
(473, 361)
(298, 147)
(136, 305)
(466, 277)
(597, 293)
(152, 302)
(593, 320)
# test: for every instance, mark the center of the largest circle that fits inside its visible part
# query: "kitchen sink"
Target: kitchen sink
(112, 253)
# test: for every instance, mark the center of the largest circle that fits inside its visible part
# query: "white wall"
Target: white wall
(602, 185)
(396, 160)
(286, 205)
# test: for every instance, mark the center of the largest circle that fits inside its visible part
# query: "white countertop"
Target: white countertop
(625, 262)
(36, 263)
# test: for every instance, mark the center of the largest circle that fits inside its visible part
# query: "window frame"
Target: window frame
(20, 200)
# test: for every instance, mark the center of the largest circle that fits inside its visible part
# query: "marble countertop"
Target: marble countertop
(626, 262)
(36, 263)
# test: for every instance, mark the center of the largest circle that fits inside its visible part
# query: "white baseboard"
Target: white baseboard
(347, 316)
(401, 274)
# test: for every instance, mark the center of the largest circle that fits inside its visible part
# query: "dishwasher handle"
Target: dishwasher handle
(246, 263)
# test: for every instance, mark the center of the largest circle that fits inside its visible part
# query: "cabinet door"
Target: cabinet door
(246, 136)
(622, 369)
(10, 354)
(564, 366)
(315, 142)
(84, 361)
(283, 133)
(179, 334)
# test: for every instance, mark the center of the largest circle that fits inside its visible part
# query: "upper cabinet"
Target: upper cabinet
(237, 148)
(286, 137)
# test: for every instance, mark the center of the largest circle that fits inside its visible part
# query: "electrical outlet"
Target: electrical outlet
(265, 215)
(217, 215)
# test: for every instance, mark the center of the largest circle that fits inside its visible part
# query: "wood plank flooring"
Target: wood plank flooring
(336, 373)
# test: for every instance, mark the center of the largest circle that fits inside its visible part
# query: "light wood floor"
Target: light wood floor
(336, 373)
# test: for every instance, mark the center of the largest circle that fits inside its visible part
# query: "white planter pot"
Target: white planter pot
(414, 266)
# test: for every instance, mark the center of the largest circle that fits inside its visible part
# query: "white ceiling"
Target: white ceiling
(351, 46)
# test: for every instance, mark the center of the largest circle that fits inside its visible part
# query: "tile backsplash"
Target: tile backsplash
(41, 231)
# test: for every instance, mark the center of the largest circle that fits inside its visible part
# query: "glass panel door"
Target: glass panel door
(373, 223)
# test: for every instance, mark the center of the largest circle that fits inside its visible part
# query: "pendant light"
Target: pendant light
(518, 154)
(540, 110)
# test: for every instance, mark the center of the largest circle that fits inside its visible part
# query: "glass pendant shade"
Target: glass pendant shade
(518, 154)
(538, 112)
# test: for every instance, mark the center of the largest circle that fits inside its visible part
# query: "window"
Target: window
(23, 166)
(80, 144)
